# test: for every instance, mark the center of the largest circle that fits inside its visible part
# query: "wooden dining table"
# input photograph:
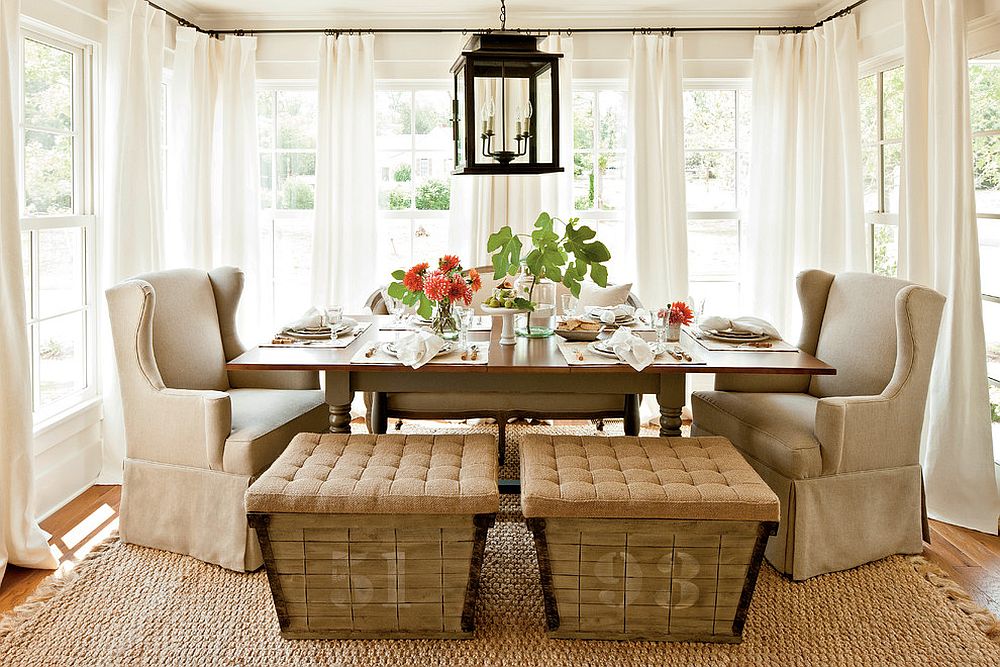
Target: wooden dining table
(531, 365)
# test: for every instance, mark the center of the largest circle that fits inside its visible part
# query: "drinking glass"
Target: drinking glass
(464, 316)
(569, 303)
(661, 322)
(697, 308)
(334, 314)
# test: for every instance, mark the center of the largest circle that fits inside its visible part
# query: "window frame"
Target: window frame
(881, 216)
(83, 216)
(739, 213)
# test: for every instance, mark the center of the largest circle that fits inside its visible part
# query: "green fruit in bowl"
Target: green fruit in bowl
(509, 303)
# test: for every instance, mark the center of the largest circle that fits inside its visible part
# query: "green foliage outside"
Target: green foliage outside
(297, 193)
(402, 172)
(434, 195)
(883, 246)
(48, 106)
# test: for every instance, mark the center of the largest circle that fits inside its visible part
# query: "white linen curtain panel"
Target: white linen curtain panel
(344, 243)
(481, 205)
(806, 202)
(22, 542)
(214, 168)
(939, 247)
(133, 227)
(657, 205)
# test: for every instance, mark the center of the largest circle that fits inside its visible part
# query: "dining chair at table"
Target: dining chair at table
(504, 406)
(195, 434)
(842, 452)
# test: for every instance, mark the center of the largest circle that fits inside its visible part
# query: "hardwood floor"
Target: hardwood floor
(971, 558)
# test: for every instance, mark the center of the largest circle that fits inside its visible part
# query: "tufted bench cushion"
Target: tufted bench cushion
(380, 474)
(630, 477)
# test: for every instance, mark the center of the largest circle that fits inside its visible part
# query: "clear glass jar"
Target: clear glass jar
(539, 323)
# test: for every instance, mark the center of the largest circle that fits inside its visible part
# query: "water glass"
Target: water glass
(697, 308)
(568, 303)
(334, 314)
(464, 316)
(661, 323)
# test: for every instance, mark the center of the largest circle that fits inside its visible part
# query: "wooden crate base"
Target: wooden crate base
(343, 576)
(648, 579)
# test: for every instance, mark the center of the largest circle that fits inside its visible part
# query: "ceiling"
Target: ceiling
(484, 13)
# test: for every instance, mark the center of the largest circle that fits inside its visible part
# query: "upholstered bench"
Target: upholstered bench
(645, 538)
(369, 536)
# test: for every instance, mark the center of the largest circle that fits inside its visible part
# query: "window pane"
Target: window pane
(711, 181)
(869, 169)
(61, 277)
(991, 324)
(984, 94)
(48, 173)
(713, 248)
(292, 267)
(296, 180)
(296, 119)
(744, 122)
(891, 159)
(48, 87)
(743, 180)
(995, 418)
(709, 119)
(989, 256)
(612, 234)
(611, 186)
(721, 298)
(986, 172)
(430, 239)
(265, 119)
(266, 180)
(583, 120)
(393, 245)
(62, 357)
(433, 194)
(892, 104)
(26, 267)
(583, 182)
(395, 179)
(393, 120)
(885, 250)
(433, 117)
(868, 98)
(611, 104)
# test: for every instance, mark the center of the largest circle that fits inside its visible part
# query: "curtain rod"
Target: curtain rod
(528, 31)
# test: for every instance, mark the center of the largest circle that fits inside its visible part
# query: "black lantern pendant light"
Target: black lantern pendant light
(506, 108)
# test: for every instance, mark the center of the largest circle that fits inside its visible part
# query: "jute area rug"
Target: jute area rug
(128, 605)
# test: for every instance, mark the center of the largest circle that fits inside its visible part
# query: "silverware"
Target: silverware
(685, 355)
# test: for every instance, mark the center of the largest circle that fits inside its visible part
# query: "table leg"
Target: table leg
(380, 419)
(671, 398)
(632, 425)
(339, 397)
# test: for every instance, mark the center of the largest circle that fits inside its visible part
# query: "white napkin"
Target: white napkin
(418, 347)
(753, 325)
(631, 349)
(311, 318)
(608, 314)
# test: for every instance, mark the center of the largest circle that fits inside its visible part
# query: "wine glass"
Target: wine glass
(464, 316)
(569, 304)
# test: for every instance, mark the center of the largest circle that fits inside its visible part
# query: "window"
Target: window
(413, 152)
(57, 221)
(717, 168)
(599, 189)
(881, 101)
(984, 105)
(287, 132)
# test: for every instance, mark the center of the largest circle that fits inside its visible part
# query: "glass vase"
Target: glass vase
(443, 322)
(538, 323)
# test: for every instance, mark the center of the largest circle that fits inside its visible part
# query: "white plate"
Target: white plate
(729, 337)
(321, 333)
(390, 349)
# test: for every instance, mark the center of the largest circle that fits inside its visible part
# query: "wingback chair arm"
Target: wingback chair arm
(872, 432)
(186, 427)
(227, 285)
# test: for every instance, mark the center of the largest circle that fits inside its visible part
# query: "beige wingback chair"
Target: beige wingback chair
(195, 435)
(841, 451)
(498, 405)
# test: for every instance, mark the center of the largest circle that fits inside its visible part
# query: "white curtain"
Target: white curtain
(133, 229)
(480, 205)
(939, 247)
(214, 169)
(344, 243)
(806, 207)
(657, 208)
(22, 542)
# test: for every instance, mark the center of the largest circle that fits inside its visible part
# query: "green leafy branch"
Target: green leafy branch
(398, 291)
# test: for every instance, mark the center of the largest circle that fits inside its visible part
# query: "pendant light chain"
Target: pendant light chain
(503, 14)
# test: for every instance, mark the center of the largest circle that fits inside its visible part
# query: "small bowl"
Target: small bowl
(576, 335)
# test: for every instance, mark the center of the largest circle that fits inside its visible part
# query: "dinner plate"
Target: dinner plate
(390, 349)
(622, 322)
(320, 333)
(735, 336)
